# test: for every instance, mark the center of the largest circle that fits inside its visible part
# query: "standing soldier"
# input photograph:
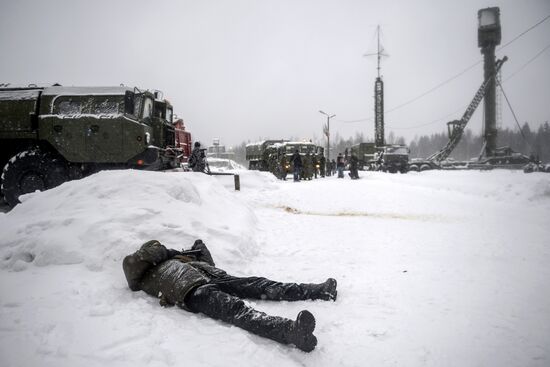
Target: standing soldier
(197, 160)
(315, 165)
(308, 166)
(297, 165)
(340, 164)
(353, 170)
(272, 163)
(322, 166)
(283, 162)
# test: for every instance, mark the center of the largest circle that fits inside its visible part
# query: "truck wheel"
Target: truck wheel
(413, 167)
(29, 171)
(425, 167)
(57, 172)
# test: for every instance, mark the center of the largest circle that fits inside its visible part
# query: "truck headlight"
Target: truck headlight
(147, 138)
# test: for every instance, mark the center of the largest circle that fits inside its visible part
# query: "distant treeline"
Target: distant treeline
(525, 141)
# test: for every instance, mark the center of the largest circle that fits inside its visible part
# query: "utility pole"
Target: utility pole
(379, 140)
(488, 37)
(326, 130)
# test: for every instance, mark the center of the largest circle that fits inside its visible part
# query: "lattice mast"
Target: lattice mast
(378, 97)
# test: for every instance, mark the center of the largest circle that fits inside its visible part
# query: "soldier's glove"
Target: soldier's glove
(205, 254)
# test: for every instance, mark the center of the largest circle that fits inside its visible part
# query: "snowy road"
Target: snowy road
(434, 269)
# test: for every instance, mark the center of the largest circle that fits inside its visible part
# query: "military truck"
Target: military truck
(288, 148)
(393, 158)
(53, 134)
(164, 133)
(258, 155)
(183, 140)
(365, 153)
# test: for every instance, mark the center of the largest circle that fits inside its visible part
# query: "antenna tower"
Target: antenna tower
(378, 97)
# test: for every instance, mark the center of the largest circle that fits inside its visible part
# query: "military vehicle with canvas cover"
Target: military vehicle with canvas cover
(53, 134)
(365, 153)
(288, 148)
(257, 154)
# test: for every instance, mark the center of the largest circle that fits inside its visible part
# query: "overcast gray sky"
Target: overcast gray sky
(244, 70)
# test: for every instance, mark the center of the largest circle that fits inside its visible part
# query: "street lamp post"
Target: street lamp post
(327, 133)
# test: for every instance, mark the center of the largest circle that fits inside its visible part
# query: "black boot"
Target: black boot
(209, 300)
(298, 292)
(325, 291)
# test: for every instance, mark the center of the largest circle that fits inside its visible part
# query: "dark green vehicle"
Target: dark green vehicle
(394, 158)
(365, 153)
(50, 135)
(258, 154)
(164, 134)
(288, 148)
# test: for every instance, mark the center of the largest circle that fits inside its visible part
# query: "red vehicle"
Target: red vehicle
(183, 140)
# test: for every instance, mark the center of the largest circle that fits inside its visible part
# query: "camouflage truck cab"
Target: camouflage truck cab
(365, 153)
(53, 134)
(258, 155)
(394, 158)
(164, 134)
(288, 148)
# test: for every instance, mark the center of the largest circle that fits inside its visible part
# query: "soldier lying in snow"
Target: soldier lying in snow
(195, 284)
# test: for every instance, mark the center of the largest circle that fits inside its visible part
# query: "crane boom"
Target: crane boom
(456, 127)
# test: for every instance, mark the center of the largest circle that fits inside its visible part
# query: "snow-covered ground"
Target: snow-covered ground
(433, 268)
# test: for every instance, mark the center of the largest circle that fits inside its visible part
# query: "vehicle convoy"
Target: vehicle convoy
(50, 135)
(266, 155)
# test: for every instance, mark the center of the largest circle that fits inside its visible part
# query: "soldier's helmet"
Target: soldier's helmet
(197, 144)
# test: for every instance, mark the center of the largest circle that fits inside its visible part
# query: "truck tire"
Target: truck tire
(425, 167)
(29, 171)
(413, 167)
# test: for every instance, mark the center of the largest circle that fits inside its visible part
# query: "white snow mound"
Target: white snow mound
(106, 216)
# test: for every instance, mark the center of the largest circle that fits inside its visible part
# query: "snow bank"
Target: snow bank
(100, 219)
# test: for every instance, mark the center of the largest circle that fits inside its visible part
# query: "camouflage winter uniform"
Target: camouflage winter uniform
(308, 167)
(194, 283)
(322, 166)
(197, 160)
(283, 163)
(160, 272)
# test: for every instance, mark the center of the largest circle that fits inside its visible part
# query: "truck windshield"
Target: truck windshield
(169, 115)
(397, 150)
